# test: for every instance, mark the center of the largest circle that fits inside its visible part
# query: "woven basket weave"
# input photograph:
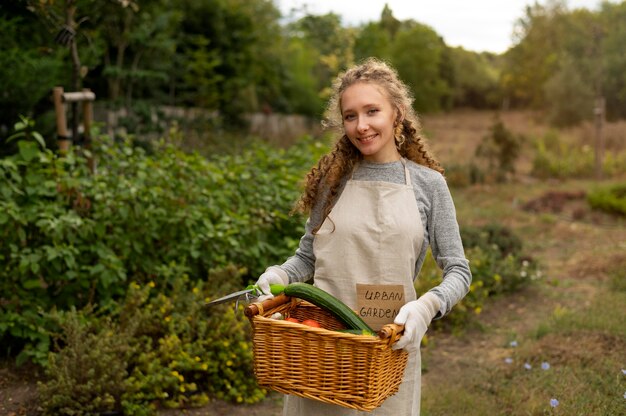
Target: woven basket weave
(354, 371)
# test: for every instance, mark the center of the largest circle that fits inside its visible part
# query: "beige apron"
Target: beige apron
(373, 235)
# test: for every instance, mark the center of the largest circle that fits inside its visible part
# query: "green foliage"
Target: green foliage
(570, 99)
(87, 375)
(613, 23)
(160, 347)
(496, 237)
(25, 129)
(556, 158)
(421, 68)
(500, 149)
(534, 57)
(609, 198)
(461, 175)
(242, 40)
(71, 238)
(301, 88)
(475, 80)
(498, 266)
(372, 40)
(28, 67)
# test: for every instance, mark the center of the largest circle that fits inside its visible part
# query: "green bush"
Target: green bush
(72, 239)
(160, 347)
(500, 150)
(554, 158)
(498, 266)
(609, 198)
(87, 375)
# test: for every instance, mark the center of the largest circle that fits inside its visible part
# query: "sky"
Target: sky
(479, 25)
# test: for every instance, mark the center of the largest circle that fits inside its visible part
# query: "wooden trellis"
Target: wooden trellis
(86, 97)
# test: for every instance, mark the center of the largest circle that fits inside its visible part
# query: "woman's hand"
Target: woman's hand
(272, 276)
(416, 316)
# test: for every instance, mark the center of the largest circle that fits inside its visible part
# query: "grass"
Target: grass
(584, 348)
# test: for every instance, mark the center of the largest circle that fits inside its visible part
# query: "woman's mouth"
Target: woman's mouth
(368, 138)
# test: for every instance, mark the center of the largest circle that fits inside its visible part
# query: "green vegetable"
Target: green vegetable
(357, 332)
(326, 301)
(275, 289)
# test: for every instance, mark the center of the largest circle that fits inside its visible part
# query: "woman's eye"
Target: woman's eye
(372, 111)
(348, 117)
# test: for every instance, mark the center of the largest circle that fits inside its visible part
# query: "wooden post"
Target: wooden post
(86, 97)
(59, 109)
(599, 112)
(87, 120)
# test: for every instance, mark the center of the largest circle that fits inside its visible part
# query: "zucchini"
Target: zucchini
(326, 301)
(357, 332)
(275, 289)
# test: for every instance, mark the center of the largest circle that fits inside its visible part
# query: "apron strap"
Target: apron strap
(407, 175)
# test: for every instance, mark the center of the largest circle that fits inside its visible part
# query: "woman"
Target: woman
(376, 202)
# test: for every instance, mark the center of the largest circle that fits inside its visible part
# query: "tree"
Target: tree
(569, 98)
(416, 53)
(372, 40)
(64, 18)
(613, 59)
(388, 22)
(299, 84)
(242, 38)
(534, 57)
(332, 43)
(139, 41)
(475, 82)
(29, 65)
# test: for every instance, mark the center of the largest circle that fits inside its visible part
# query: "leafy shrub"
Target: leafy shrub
(500, 149)
(609, 198)
(71, 238)
(160, 347)
(497, 237)
(498, 266)
(555, 158)
(87, 375)
(571, 98)
(461, 175)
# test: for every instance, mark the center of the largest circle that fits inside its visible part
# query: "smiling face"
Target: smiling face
(368, 120)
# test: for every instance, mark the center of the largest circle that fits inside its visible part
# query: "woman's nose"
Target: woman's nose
(362, 125)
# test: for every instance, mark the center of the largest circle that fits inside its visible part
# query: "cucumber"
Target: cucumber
(326, 301)
(275, 289)
(357, 332)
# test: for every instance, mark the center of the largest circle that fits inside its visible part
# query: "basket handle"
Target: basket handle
(256, 308)
(391, 332)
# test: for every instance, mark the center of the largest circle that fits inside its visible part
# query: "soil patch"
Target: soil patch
(583, 349)
(18, 390)
(572, 206)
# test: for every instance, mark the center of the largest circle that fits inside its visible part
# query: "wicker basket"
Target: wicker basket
(354, 371)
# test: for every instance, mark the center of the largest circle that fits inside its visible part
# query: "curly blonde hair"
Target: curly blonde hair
(340, 161)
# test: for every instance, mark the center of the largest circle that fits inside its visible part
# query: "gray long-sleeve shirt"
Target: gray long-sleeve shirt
(441, 230)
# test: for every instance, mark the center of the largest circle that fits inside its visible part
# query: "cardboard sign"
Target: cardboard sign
(378, 305)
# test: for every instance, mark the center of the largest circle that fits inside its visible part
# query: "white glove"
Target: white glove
(416, 316)
(272, 276)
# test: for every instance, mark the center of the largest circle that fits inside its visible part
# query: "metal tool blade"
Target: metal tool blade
(233, 296)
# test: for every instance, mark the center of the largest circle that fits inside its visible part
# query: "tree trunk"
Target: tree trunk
(70, 13)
